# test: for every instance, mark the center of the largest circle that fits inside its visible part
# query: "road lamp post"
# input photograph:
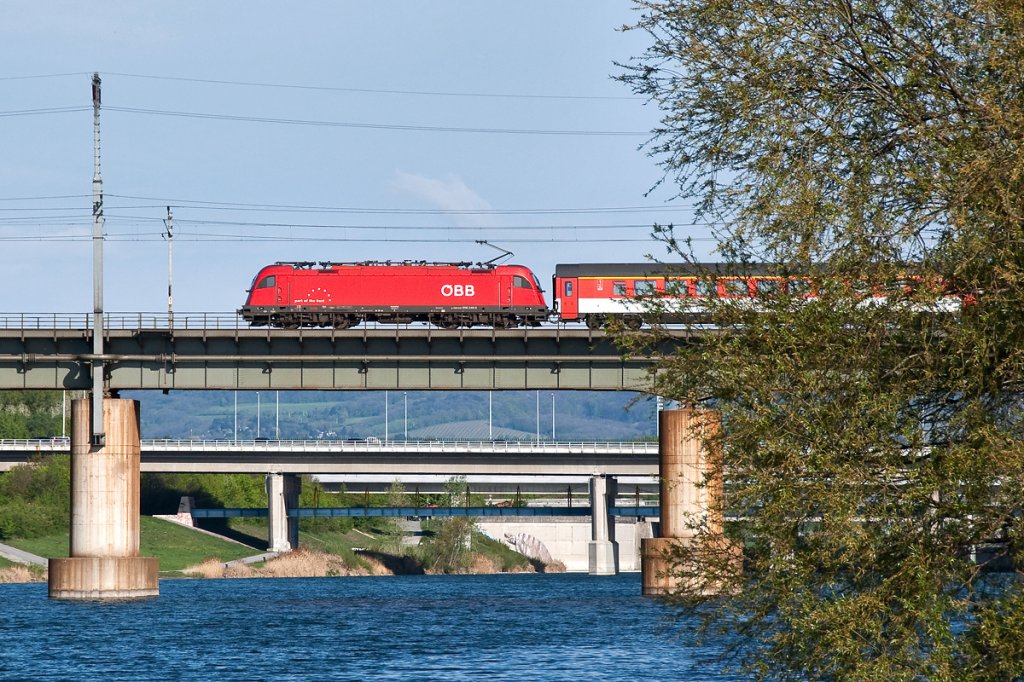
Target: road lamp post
(257, 414)
(538, 416)
(405, 406)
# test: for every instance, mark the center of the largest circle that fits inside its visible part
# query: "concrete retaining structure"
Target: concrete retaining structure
(569, 540)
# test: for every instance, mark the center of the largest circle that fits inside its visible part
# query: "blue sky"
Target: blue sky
(194, 99)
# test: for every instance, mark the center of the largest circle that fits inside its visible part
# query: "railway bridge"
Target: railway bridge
(207, 351)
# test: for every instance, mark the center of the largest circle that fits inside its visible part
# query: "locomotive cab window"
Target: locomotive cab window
(568, 288)
(520, 282)
(267, 282)
(618, 288)
(643, 287)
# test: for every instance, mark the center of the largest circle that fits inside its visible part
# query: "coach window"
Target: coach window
(618, 288)
(568, 288)
(768, 287)
(520, 282)
(676, 287)
(707, 287)
(799, 287)
(266, 282)
(736, 287)
(643, 287)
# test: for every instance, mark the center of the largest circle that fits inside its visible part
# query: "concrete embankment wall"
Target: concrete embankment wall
(568, 539)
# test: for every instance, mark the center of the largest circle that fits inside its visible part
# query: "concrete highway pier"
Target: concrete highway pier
(282, 495)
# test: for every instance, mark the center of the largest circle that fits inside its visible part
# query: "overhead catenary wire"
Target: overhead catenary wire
(373, 126)
(213, 237)
(383, 91)
(245, 206)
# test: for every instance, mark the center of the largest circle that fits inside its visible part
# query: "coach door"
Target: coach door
(567, 295)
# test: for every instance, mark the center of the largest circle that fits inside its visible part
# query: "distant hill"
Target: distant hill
(579, 415)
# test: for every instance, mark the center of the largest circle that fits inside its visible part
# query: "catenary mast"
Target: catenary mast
(98, 437)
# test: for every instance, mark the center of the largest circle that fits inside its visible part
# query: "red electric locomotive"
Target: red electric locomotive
(340, 295)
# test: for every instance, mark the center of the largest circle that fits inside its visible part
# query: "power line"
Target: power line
(44, 75)
(40, 112)
(324, 226)
(46, 198)
(243, 206)
(381, 234)
(234, 238)
(372, 126)
(383, 91)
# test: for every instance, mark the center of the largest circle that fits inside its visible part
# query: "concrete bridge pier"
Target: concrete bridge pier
(282, 495)
(690, 495)
(104, 561)
(603, 550)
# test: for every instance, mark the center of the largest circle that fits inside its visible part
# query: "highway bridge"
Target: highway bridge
(219, 351)
(392, 458)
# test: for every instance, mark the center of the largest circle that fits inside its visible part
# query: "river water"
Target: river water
(494, 627)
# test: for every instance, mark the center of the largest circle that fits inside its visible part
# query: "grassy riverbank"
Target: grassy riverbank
(35, 511)
(175, 546)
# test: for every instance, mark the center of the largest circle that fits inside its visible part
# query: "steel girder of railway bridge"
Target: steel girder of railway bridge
(382, 358)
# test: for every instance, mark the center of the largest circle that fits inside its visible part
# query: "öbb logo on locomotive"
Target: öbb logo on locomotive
(458, 290)
(460, 295)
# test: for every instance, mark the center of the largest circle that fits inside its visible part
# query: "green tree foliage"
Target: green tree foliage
(35, 498)
(161, 493)
(391, 527)
(450, 550)
(30, 414)
(872, 444)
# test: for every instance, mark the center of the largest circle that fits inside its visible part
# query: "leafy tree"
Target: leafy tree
(450, 550)
(871, 433)
(392, 531)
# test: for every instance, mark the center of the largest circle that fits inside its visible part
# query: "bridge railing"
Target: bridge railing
(126, 320)
(162, 321)
(380, 445)
(63, 444)
(45, 321)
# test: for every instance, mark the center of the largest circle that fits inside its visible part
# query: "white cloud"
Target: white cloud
(449, 194)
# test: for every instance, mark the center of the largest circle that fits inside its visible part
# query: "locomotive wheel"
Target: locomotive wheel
(595, 321)
(444, 321)
(344, 322)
